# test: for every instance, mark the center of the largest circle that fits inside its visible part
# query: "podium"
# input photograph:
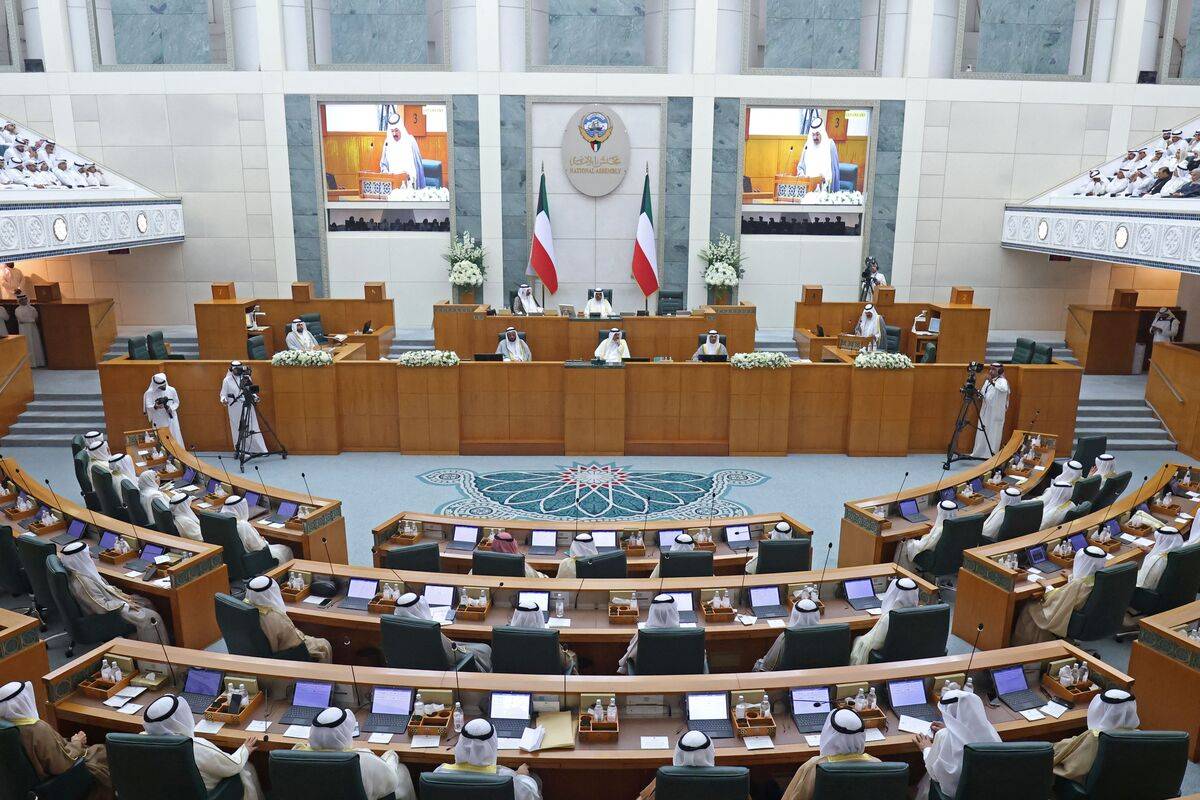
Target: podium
(793, 188)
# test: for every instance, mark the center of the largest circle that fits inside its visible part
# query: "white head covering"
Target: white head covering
(1071, 471)
(1088, 562)
(947, 509)
(413, 606)
(17, 701)
(712, 343)
(168, 716)
(966, 723)
(148, 481)
(264, 592)
(512, 348)
(1166, 539)
(98, 450)
(804, 615)
(123, 464)
(1113, 710)
(236, 505)
(901, 593)
(684, 543)
(76, 558)
(663, 613)
(843, 734)
(477, 745)
(818, 156)
(333, 729)
(180, 507)
(694, 749)
(1106, 465)
(583, 546)
(1058, 493)
(1008, 496)
(158, 383)
(527, 615)
(782, 530)
(871, 327)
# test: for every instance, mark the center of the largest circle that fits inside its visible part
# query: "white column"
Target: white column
(53, 36)
(1151, 29)
(728, 33)
(943, 38)
(1079, 37)
(269, 29)
(33, 29)
(81, 45)
(322, 36)
(462, 44)
(1127, 42)
(511, 25)
(895, 32)
(1106, 24)
(868, 34)
(295, 35)
(104, 31)
(681, 35)
(244, 18)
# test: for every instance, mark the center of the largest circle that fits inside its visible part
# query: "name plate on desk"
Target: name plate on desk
(596, 364)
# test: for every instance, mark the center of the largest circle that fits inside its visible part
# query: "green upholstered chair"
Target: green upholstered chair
(243, 635)
(312, 321)
(154, 767)
(604, 565)
(891, 338)
(702, 783)
(12, 574)
(1042, 354)
(1178, 584)
(106, 493)
(81, 461)
(930, 354)
(1002, 770)
(669, 651)
(689, 564)
(958, 535)
(256, 348)
(913, 633)
(1104, 610)
(82, 629)
(32, 552)
(1022, 351)
(816, 647)
(784, 555)
(465, 786)
(669, 302)
(1112, 489)
(420, 557)
(1019, 519)
(131, 498)
(19, 779)
(164, 521)
(417, 644)
(77, 444)
(136, 347)
(221, 530)
(157, 346)
(1088, 449)
(504, 565)
(312, 775)
(1086, 489)
(861, 780)
(1077, 512)
(1147, 765)
(525, 651)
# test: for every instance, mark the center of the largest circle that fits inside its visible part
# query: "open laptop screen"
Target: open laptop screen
(510, 705)
(810, 700)
(763, 596)
(387, 700)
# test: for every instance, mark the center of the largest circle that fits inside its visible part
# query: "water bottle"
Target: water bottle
(105, 670)
(969, 686)
(418, 706)
(765, 706)
(116, 673)
(1082, 675)
(598, 712)
(560, 605)
(458, 718)
(243, 693)
(611, 714)
(860, 700)
(740, 711)
(872, 699)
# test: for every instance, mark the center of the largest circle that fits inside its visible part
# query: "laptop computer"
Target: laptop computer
(683, 604)
(714, 357)
(1013, 690)
(911, 511)
(1079, 540)
(810, 708)
(360, 593)
(949, 493)
(251, 499)
(666, 538)
(708, 712)
(979, 489)
(108, 540)
(287, 509)
(28, 522)
(75, 530)
(145, 558)
(510, 713)
(605, 541)
(908, 696)
(1112, 526)
(390, 710)
(1036, 556)
(200, 688)
(543, 543)
(309, 699)
(187, 478)
(860, 593)
(765, 602)
(738, 537)
(211, 486)
(539, 599)
(465, 537)
(441, 601)
(935, 324)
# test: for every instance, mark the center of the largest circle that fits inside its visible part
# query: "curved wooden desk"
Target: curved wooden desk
(992, 594)
(400, 529)
(22, 652)
(1166, 662)
(732, 646)
(182, 592)
(872, 528)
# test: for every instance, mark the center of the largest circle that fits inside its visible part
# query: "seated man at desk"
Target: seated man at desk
(782, 530)
(870, 325)
(414, 606)
(1111, 710)
(684, 543)
(300, 338)
(185, 519)
(844, 738)
(966, 722)
(95, 595)
(513, 347)
(1166, 539)
(901, 593)
(1046, 618)
(523, 303)
(236, 506)
(48, 752)
(663, 614)
(333, 732)
(170, 716)
(598, 304)
(908, 550)
(694, 749)
(149, 492)
(282, 634)
(614, 348)
(475, 752)
(528, 615)
(711, 346)
(582, 546)
(505, 543)
(805, 614)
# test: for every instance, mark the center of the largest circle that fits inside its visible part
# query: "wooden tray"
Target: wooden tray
(872, 718)
(1062, 562)
(40, 529)
(170, 474)
(753, 725)
(706, 546)
(996, 487)
(466, 614)
(294, 595)
(973, 500)
(618, 615)
(720, 615)
(217, 712)
(406, 538)
(380, 606)
(634, 550)
(591, 731)
(1171, 510)
(296, 523)
(17, 515)
(101, 689)
(435, 725)
(1111, 547)
(1072, 693)
(113, 557)
(1141, 531)
(1020, 473)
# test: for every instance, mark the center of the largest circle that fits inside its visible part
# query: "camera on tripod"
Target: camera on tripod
(245, 380)
(969, 389)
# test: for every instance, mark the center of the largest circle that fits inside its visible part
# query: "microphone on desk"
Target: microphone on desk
(304, 478)
(261, 482)
(896, 499)
(974, 649)
(57, 499)
(325, 588)
(828, 553)
(221, 461)
(162, 646)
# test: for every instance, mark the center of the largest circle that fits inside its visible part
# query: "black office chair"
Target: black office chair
(221, 530)
(914, 633)
(930, 354)
(862, 780)
(136, 347)
(526, 651)
(32, 553)
(701, 338)
(958, 535)
(1112, 489)
(1088, 449)
(12, 575)
(784, 555)
(669, 302)
(153, 767)
(1020, 519)
(1104, 609)
(702, 783)
(417, 644)
(164, 520)
(465, 786)
(256, 348)
(84, 629)
(1002, 770)
(131, 498)
(1086, 489)
(604, 565)
(501, 335)
(157, 346)
(243, 635)
(816, 647)
(312, 321)
(1077, 512)
(19, 779)
(891, 338)
(420, 557)
(669, 651)
(106, 492)
(1042, 354)
(1022, 351)
(1178, 584)
(1148, 765)
(308, 773)
(686, 564)
(504, 565)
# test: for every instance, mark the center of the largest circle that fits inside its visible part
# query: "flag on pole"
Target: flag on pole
(541, 249)
(645, 254)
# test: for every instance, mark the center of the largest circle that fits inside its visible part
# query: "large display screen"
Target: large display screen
(805, 155)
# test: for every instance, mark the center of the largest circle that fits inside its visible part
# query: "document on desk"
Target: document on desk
(130, 692)
(258, 726)
(297, 731)
(875, 612)
(380, 738)
(1053, 710)
(776, 623)
(874, 735)
(129, 708)
(656, 743)
(209, 726)
(758, 742)
(559, 622)
(913, 725)
(425, 740)
(1032, 714)
(504, 743)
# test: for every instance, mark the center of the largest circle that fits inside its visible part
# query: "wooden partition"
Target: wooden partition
(1165, 661)
(16, 380)
(76, 333)
(1173, 390)
(1105, 338)
(23, 653)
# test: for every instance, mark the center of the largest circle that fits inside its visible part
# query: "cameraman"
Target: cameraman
(992, 413)
(871, 278)
(237, 386)
(160, 403)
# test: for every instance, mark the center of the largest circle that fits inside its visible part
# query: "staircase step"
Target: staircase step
(1141, 444)
(1121, 423)
(63, 418)
(68, 429)
(1123, 433)
(37, 440)
(68, 396)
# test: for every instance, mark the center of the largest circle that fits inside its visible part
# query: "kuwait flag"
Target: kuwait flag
(645, 254)
(541, 249)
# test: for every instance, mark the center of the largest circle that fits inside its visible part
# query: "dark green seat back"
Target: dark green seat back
(1003, 771)
(1042, 354)
(136, 346)
(156, 767)
(12, 575)
(77, 444)
(930, 354)
(891, 338)
(465, 786)
(81, 462)
(164, 521)
(1077, 512)
(1104, 611)
(670, 651)
(913, 633)
(525, 651)
(1146, 765)
(1178, 584)
(412, 643)
(702, 783)
(604, 565)
(131, 498)
(221, 530)
(1086, 489)
(1022, 351)
(504, 565)
(32, 553)
(1112, 489)
(784, 555)
(106, 492)
(816, 647)
(157, 346)
(419, 557)
(83, 629)
(958, 534)
(861, 780)
(1088, 449)
(1020, 518)
(303, 774)
(256, 348)
(18, 779)
(312, 321)
(240, 628)
(690, 564)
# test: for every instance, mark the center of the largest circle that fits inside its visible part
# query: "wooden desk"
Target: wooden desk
(1103, 338)
(1166, 664)
(992, 594)
(76, 333)
(23, 653)
(1173, 390)
(870, 537)
(16, 380)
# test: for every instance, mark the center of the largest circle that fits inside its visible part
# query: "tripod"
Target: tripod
(246, 431)
(971, 399)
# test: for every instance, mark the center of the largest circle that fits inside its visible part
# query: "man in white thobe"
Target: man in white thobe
(908, 550)
(966, 722)
(694, 749)
(1118, 184)
(901, 593)
(300, 338)
(252, 541)
(185, 519)
(333, 731)
(1165, 326)
(169, 715)
(598, 304)
(989, 433)
(1056, 502)
(663, 614)
(524, 303)
(475, 754)
(614, 348)
(27, 326)
(1166, 539)
(870, 324)
(1095, 186)
(12, 280)
(161, 404)
(819, 158)
(711, 346)
(402, 156)
(805, 614)
(1179, 179)
(96, 595)
(513, 347)
(231, 398)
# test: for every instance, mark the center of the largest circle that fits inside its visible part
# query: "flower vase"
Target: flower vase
(466, 294)
(720, 295)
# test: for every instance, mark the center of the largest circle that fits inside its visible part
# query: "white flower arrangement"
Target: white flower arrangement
(720, 274)
(301, 358)
(465, 257)
(878, 359)
(430, 194)
(464, 273)
(760, 359)
(721, 258)
(429, 358)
